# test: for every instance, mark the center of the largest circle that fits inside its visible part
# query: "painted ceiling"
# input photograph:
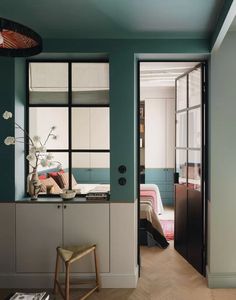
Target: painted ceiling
(71, 19)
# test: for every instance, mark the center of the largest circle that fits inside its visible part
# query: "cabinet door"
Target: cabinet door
(99, 128)
(38, 233)
(80, 128)
(155, 133)
(88, 224)
(7, 237)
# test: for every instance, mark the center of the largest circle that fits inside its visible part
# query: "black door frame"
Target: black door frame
(204, 152)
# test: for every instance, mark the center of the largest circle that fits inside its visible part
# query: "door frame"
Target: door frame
(204, 154)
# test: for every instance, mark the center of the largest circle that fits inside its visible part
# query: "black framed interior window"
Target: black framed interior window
(73, 97)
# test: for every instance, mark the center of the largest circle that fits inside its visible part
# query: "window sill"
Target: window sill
(76, 200)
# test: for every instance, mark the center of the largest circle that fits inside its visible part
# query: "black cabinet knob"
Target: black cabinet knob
(58, 206)
(65, 206)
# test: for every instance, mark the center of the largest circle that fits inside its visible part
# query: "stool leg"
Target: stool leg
(96, 269)
(56, 274)
(67, 283)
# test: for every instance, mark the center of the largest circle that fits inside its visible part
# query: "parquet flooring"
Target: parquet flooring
(165, 275)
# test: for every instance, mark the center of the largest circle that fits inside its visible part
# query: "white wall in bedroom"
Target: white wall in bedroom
(159, 126)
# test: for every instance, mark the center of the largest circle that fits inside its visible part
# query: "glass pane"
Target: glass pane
(195, 87)
(50, 172)
(91, 168)
(99, 128)
(90, 83)
(194, 128)
(181, 165)
(81, 128)
(42, 119)
(48, 83)
(181, 129)
(90, 128)
(181, 93)
(194, 169)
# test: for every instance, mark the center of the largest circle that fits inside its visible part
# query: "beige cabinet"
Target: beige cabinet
(88, 223)
(7, 237)
(38, 233)
(41, 227)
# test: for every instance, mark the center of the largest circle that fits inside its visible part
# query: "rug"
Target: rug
(168, 228)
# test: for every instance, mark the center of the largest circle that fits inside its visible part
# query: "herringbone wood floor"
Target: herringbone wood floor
(165, 275)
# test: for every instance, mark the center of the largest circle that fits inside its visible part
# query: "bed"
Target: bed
(152, 193)
(151, 232)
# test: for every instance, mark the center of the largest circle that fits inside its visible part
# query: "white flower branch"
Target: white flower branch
(37, 150)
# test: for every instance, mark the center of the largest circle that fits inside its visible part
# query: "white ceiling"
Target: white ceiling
(153, 74)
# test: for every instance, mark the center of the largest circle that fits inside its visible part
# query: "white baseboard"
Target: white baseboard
(119, 281)
(221, 280)
(45, 280)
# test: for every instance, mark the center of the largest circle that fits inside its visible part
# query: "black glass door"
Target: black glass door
(189, 167)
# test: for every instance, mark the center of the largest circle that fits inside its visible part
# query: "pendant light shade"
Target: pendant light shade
(18, 40)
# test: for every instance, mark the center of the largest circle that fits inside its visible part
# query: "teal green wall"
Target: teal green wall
(150, 46)
(7, 159)
(122, 55)
(122, 127)
(164, 179)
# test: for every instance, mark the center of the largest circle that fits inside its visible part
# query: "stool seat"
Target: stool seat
(68, 255)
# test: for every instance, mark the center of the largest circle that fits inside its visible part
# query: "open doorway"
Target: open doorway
(171, 157)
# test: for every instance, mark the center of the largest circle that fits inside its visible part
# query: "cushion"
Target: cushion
(50, 186)
(42, 176)
(57, 178)
(65, 179)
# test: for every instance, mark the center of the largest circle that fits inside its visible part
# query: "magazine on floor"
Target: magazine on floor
(30, 296)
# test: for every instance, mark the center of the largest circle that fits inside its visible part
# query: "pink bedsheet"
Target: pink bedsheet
(152, 195)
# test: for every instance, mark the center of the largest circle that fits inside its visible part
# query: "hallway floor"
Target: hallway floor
(165, 275)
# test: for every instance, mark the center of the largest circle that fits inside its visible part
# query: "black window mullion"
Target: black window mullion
(26, 148)
(70, 120)
(187, 129)
(70, 105)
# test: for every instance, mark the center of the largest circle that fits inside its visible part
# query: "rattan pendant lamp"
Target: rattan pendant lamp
(18, 40)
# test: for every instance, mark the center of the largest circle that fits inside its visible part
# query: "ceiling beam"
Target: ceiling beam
(226, 17)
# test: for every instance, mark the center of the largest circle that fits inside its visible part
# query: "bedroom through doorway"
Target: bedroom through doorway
(170, 155)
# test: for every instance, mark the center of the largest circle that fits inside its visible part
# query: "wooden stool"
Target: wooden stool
(68, 256)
